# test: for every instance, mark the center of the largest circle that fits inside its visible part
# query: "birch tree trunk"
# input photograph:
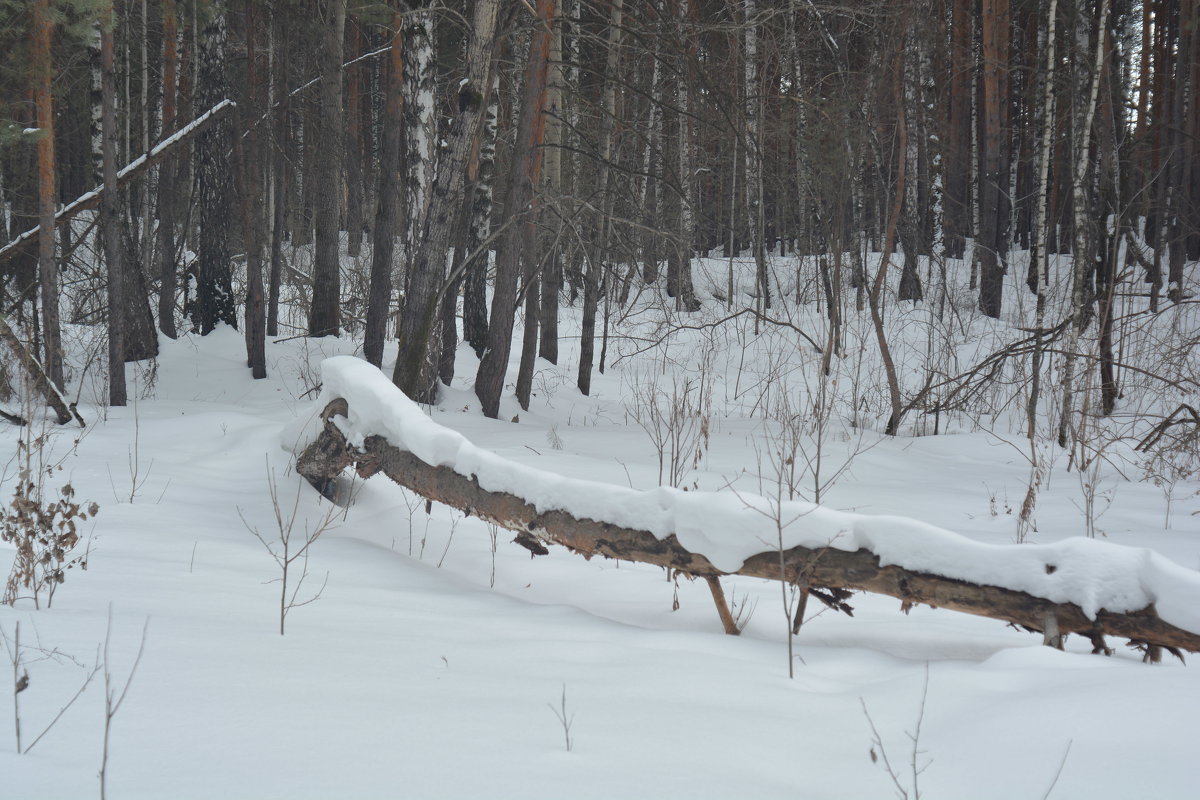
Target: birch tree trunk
(475, 311)
(1082, 254)
(417, 361)
(1039, 255)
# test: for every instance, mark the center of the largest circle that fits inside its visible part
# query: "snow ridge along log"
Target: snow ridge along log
(828, 567)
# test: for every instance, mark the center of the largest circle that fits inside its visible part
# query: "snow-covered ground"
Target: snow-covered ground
(437, 660)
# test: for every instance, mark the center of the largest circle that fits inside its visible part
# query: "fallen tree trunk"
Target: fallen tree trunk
(64, 411)
(826, 571)
(139, 165)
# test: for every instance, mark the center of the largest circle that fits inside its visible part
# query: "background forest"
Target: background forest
(936, 259)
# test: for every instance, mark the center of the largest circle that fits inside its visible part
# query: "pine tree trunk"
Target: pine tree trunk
(247, 162)
(325, 317)
(379, 299)
(47, 265)
(596, 262)
(353, 155)
(167, 202)
(110, 215)
(552, 273)
(991, 247)
(531, 128)
(214, 292)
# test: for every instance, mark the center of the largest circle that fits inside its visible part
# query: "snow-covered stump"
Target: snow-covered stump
(1094, 589)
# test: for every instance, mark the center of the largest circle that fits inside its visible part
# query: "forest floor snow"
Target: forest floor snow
(439, 661)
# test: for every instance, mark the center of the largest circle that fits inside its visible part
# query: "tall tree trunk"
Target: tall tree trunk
(1084, 245)
(214, 291)
(110, 214)
(281, 139)
(420, 127)
(418, 358)
(755, 146)
(475, 312)
(597, 258)
(325, 317)
(552, 272)
(1038, 256)
(353, 155)
(248, 161)
(531, 128)
(991, 249)
(167, 202)
(47, 266)
(379, 299)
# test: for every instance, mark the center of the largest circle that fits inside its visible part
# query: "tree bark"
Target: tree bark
(597, 259)
(214, 292)
(418, 358)
(531, 128)
(110, 214)
(325, 317)
(379, 298)
(47, 266)
(992, 248)
(167, 202)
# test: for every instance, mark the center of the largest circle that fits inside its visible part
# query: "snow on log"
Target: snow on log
(1078, 585)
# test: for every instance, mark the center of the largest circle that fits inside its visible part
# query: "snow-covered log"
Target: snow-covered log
(1081, 586)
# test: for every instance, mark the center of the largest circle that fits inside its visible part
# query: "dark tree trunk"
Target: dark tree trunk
(47, 265)
(957, 218)
(167, 202)
(379, 298)
(992, 247)
(353, 155)
(214, 291)
(110, 216)
(325, 317)
(248, 163)
(531, 127)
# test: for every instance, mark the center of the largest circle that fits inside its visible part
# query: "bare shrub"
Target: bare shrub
(287, 547)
